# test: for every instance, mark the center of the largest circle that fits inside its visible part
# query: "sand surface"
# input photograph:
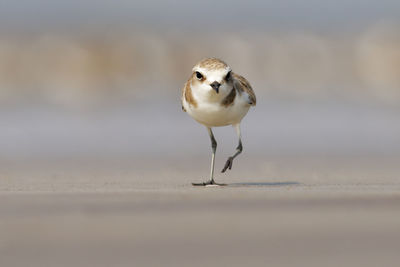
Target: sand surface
(287, 211)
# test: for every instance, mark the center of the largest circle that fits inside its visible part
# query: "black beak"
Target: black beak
(215, 86)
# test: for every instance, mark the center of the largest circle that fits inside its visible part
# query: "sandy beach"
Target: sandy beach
(142, 212)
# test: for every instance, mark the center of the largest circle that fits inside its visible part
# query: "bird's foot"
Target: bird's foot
(208, 183)
(228, 164)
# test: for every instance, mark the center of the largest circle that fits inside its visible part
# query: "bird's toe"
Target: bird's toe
(228, 164)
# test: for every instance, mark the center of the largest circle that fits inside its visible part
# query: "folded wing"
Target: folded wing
(242, 85)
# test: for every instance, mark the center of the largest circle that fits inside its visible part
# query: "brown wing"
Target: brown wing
(187, 95)
(242, 85)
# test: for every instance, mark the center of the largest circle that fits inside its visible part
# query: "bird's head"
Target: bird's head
(212, 75)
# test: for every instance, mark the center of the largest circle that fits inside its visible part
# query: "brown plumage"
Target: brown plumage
(242, 85)
(187, 94)
(229, 99)
(212, 63)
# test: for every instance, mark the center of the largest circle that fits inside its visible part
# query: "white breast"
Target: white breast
(213, 114)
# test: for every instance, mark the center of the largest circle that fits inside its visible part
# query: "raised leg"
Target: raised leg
(214, 149)
(239, 149)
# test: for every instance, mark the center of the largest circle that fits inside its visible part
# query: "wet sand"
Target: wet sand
(142, 212)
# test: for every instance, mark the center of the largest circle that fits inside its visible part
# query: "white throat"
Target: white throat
(205, 93)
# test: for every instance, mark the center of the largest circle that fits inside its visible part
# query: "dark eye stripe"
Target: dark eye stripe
(228, 76)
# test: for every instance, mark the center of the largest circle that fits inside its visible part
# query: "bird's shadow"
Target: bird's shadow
(263, 184)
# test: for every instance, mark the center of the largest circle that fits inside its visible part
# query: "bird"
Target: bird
(215, 96)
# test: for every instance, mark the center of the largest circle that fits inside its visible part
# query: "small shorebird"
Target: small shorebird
(215, 96)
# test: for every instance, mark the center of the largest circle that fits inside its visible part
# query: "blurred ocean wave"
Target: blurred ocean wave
(75, 70)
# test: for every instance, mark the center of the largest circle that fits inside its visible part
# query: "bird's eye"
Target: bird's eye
(228, 76)
(199, 75)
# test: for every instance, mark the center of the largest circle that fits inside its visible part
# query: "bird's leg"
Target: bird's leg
(239, 150)
(214, 149)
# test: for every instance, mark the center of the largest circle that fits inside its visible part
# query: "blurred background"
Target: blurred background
(103, 78)
(97, 157)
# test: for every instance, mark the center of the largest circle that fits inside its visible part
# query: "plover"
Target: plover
(215, 96)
